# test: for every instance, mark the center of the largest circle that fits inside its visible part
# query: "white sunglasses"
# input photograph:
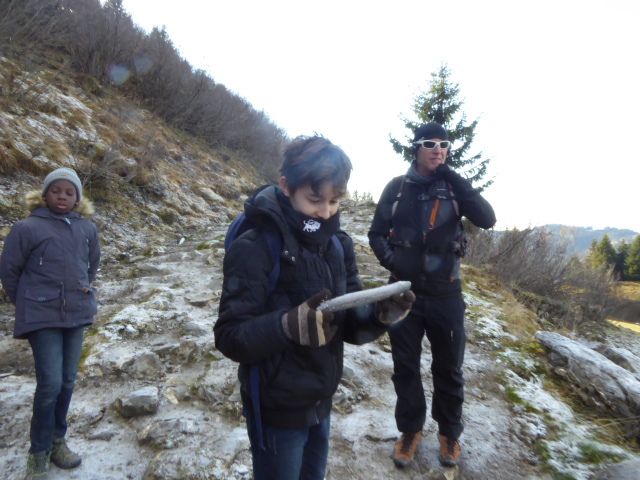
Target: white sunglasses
(430, 144)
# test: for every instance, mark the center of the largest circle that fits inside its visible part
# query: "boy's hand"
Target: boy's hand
(394, 308)
(307, 326)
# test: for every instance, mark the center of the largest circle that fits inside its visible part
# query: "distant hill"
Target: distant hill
(578, 239)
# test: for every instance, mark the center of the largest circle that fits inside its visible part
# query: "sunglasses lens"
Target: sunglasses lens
(444, 144)
(428, 144)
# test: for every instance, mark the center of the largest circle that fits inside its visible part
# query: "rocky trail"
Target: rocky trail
(155, 400)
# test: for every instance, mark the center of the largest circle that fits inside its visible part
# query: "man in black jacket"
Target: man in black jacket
(290, 352)
(417, 235)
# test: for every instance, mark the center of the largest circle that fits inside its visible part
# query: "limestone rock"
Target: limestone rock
(624, 358)
(189, 465)
(141, 402)
(210, 195)
(166, 434)
(596, 379)
(145, 366)
(200, 299)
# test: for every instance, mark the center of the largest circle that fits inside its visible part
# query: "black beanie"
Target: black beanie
(430, 130)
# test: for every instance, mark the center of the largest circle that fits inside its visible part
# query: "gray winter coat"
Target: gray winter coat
(46, 268)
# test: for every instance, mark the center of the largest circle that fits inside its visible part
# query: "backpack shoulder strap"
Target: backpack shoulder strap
(274, 243)
(398, 195)
(234, 231)
(337, 244)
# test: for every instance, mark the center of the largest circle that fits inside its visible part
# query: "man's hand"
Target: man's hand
(394, 308)
(307, 326)
(461, 186)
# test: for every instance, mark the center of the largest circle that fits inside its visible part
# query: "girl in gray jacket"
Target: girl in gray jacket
(47, 265)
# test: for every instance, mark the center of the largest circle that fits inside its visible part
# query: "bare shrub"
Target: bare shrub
(362, 198)
(95, 164)
(593, 288)
(25, 22)
(532, 260)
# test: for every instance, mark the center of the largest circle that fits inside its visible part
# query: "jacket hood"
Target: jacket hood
(263, 208)
(34, 200)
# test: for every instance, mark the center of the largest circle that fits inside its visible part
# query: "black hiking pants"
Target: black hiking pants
(442, 319)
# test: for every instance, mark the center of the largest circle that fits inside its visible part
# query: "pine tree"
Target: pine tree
(633, 258)
(602, 254)
(440, 103)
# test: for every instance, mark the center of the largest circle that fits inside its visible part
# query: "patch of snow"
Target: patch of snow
(43, 131)
(71, 103)
(571, 431)
(52, 119)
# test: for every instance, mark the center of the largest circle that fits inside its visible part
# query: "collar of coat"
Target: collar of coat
(34, 200)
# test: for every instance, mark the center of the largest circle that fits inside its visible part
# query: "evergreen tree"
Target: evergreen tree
(633, 258)
(602, 254)
(440, 103)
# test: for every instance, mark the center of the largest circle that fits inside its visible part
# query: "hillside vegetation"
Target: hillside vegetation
(102, 45)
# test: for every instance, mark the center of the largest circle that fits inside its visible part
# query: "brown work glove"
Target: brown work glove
(307, 326)
(394, 308)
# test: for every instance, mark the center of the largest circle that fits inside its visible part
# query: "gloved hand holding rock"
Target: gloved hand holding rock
(307, 326)
(394, 308)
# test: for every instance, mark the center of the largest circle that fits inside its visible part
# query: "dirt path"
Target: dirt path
(155, 330)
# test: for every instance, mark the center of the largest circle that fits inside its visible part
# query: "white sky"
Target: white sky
(555, 85)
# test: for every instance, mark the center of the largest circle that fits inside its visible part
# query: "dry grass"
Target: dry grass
(55, 151)
(14, 158)
(628, 290)
(76, 119)
(611, 430)
(518, 319)
(627, 308)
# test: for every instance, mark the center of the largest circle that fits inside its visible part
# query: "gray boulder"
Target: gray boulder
(596, 379)
(141, 402)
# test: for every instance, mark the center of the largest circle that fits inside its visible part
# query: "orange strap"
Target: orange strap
(434, 214)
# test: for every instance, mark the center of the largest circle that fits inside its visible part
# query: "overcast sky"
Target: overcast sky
(555, 86)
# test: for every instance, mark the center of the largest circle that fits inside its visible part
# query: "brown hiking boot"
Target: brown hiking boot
(405, 448)
(450, 451)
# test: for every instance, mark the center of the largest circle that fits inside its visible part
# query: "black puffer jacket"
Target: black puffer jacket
(418, 241)
(297, 382)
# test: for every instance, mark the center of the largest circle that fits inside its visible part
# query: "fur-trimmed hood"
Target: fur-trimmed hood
(34, 200)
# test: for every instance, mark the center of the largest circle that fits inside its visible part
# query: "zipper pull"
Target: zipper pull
(40, 261)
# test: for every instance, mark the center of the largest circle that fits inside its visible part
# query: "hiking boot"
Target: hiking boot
(37, 466)
(62, 456)
(405, 448)
(450, 451)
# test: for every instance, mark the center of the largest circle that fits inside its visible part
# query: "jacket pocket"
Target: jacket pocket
(406, 262)
(303, 377)
(42, 304)
(82, 304)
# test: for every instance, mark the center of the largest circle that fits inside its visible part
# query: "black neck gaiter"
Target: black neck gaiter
(309, 230)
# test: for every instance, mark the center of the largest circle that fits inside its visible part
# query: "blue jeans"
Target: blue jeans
(290, 453)
(56, 352)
